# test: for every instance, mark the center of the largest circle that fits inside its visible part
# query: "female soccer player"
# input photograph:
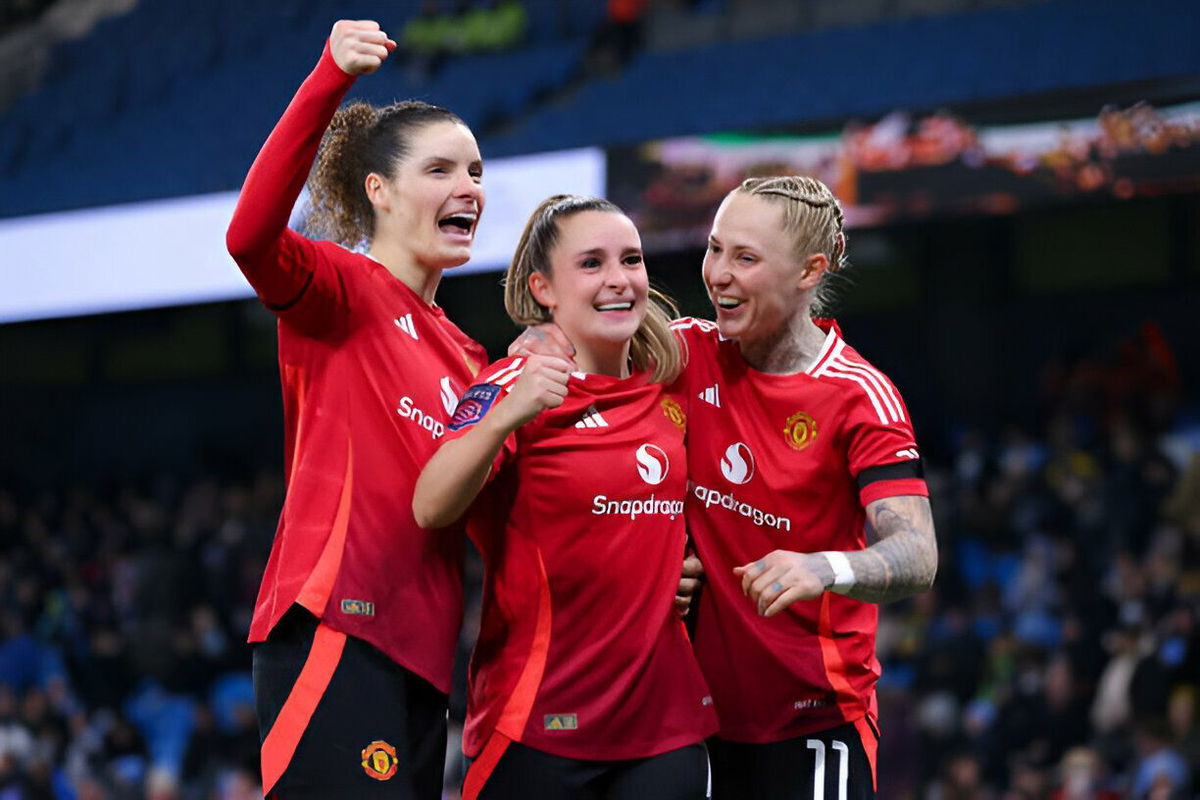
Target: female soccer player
(807, 504)
(583, 683)
(359, 609)
(806, 497)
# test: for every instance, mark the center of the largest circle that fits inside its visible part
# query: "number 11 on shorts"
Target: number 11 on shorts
(819, 768)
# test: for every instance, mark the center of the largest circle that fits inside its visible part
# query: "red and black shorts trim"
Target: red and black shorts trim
(338, 718)
(508, 770)
(833, 764)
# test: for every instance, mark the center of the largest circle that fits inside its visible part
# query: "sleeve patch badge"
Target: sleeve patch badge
(561, 722)
(473, 405)
(361, 608)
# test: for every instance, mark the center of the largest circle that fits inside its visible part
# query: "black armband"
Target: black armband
(898, 471)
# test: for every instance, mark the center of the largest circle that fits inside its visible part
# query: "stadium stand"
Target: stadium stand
(102, 99)
(1063, 618)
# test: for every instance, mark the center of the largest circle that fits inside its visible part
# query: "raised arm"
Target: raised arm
(901, 562)
(277, 262)
(459, 469)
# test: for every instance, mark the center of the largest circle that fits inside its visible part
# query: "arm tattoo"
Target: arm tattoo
(903, 559)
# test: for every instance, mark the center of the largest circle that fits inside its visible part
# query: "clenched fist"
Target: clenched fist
(359, 46)
(542, 385)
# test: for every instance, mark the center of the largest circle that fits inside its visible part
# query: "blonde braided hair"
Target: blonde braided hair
(814, 219)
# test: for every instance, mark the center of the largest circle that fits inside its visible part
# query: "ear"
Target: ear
(376, 188)
(542, 289)
(814, 267)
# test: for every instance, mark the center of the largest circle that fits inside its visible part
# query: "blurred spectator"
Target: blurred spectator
(473, 26)
(619, 38)
(492, 25)
(961, 779)
(1160, 773)
(1081, 777)
(1057, 657)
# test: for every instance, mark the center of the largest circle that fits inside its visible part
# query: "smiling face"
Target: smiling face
(595, 286)
(755, 279)
(429, 208)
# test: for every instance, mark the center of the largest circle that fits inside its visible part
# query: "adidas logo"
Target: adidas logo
(591, 419)
(405, 324)
(711, 395)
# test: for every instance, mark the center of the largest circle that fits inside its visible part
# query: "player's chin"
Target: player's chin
(452, 257)
(615, 333)
(730, 328)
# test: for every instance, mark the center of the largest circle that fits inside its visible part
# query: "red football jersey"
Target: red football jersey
(787, 462)
(370, 377)
(580, 653)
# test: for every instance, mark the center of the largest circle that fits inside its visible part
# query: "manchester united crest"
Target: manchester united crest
(800, 430)
(674, 412)
(379, 760)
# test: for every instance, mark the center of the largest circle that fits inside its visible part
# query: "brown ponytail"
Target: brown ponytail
(361, 139)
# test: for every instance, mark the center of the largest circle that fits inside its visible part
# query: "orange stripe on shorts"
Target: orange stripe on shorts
(482, 767)
(284, 736)
(870, 744)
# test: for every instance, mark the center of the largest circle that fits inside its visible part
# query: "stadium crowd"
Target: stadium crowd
(1057, 657)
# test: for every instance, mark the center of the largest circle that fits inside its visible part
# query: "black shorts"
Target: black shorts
(836, 764)
(338, 718)
(521, 773)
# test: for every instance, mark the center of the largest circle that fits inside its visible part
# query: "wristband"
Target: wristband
(843, 573)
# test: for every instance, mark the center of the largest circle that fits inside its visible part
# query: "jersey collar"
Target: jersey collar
(828, 347)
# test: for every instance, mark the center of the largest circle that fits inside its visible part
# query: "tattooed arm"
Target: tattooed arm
(904, 558)
(901, 562)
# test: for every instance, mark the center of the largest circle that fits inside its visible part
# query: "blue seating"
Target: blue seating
(134, 86)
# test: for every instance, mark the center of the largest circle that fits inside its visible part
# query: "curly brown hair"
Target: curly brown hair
(361, 139)
(654, 346)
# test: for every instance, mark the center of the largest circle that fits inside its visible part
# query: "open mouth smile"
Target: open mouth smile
(459, 224)
(726, 302)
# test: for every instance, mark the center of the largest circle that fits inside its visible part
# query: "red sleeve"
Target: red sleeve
(491, 387)
(883, 453)
(681, 383)
(689, 333)
(280, 264)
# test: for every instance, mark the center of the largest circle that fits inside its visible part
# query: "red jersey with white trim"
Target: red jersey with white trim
(370, 375)
(580, 653)
(787, 462)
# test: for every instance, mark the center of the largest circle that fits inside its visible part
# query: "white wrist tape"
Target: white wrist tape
(843, 573)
